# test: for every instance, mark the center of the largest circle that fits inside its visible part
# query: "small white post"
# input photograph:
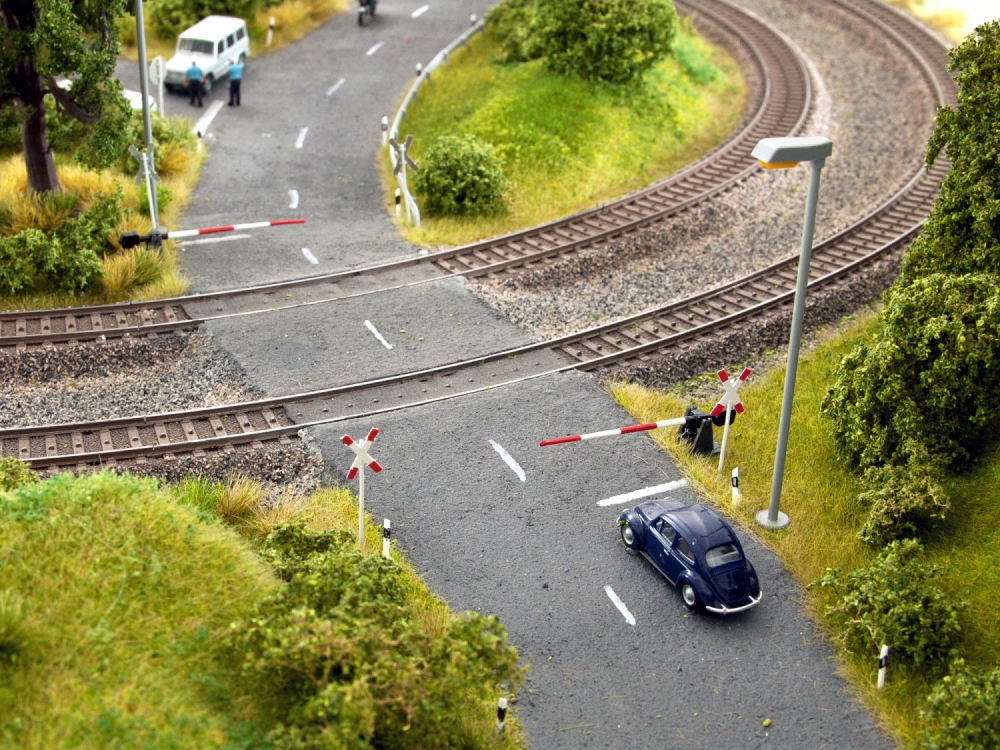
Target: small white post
(472, 20)
(725, 437)
(385, 130)
(501, 713)
(420, 69)
(737, 497)
(883, 662)
(386, 532)
(399, 195)
(361, 509)
(270, 32)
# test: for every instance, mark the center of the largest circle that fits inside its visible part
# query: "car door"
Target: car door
(663, 556)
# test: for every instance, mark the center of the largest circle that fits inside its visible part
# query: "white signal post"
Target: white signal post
(729, 401)
(361, 460)
(403, 160)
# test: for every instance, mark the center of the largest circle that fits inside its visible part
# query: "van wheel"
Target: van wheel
(361, 18)
(243, 59)
(207, 85)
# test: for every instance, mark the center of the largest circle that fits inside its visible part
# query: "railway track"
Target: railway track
(779, 106)
(884, 233)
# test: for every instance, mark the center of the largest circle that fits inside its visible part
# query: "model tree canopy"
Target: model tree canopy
(43, 41)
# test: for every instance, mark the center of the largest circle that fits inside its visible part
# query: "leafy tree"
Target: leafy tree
(608, 40)
(461, 176)
(962, 234)
(43, 40)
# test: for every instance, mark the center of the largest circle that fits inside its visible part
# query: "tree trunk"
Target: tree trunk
(37, 152)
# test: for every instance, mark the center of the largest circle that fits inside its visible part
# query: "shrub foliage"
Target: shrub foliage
(14, 473)
(461, 176)
(963, 710)
(514, 23)
(902, 502)
(893, 601)
(352, 667)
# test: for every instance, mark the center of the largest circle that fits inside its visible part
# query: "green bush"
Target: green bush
(963, 711)
(902, 501)
(514, 23)
(461, 176)
(171, 17)
(14, 473)
(163, 199)
(927, 377)
(13, 634)
(340, 648)
(609, 40)
(893, 601)
(962, 233)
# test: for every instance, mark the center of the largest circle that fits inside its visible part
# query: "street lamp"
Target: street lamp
(784, 153)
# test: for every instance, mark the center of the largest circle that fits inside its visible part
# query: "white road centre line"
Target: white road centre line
(293, 198)
(376, 334)
(375, 48)
(420, 11)
(201, 127)
(302, 138)
(620, 604)
(334, 87)
(309, 256)
(644, 492)
(210, 240)
(509, 460)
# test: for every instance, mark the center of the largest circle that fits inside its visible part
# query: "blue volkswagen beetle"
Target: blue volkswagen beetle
(695, 550)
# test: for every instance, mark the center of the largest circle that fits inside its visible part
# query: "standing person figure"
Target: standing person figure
(195, 76)
(235, 77)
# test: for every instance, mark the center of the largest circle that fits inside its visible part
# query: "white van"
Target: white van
(212, 43)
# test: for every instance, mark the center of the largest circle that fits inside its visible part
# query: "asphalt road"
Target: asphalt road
(538, 552)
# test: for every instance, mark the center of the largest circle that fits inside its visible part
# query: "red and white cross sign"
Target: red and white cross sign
(731, 397)
(361, 457)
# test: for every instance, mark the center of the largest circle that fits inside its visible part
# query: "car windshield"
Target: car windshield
(194, 45)
(722, 555)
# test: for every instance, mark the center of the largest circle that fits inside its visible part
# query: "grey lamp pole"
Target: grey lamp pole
(783, 153)
(147, 156)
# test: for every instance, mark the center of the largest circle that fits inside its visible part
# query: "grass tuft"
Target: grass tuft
(240, 496)
(13, 633)
(131, 268)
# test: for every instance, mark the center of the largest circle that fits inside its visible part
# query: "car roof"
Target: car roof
(211, 28)
(702, 527)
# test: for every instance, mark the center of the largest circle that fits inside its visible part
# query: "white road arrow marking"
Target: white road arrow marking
(302, 138)
(309, 256)
(334, 87)
(210, 240)
(293, 198)
(201, 127)
(620, 604)
(420, 11)
(375, 48)
(376, 334)
(509, 460)
(644, 492)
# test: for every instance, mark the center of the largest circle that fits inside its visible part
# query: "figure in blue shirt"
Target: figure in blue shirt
(195, 76)
(235, 76)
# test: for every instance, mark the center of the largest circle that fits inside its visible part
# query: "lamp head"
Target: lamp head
(782, 153)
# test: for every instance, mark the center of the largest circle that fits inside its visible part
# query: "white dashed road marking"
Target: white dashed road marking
(376, 334)
(293, 198)
(227, 238)
(375, 48)
(335, 86)
(309, 256)
(620, 604)
(644, 492)
(201, 127)
(509, 460)
(302, 138)
(420, 11)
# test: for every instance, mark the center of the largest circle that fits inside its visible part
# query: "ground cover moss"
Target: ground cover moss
(567, 144)
(820, 497)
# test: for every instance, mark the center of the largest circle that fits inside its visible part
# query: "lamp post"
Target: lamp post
(148, 170)
(784, 153)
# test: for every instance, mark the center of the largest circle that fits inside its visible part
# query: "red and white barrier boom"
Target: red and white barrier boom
(729, 401)
(361, 460)
(132, 239)
(617, 431)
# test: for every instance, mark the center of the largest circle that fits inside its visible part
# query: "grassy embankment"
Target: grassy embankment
(116, 599)
(569, 144)
(819, 495)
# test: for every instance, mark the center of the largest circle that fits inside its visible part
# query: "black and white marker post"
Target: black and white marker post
(501, 714)
(385, 131)
(270, 32)
(883, 663)
(386, 533)
(736, 486)
(403, 161)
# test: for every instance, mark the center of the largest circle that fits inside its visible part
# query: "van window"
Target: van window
(222, 46)
(230, 41)
(194, 45)
(239, 33)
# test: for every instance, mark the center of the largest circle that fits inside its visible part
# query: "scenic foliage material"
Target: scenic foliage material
(42, 41)
(171, 17)
(963, 710)
(514, 23)
(926, 378)
(461, 176)
(902, 502)
(14, 473)
(615, 41)
(893, 601)
(352, 666)
(962, 233)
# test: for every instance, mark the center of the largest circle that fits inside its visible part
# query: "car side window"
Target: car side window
(684, 548)
(230, 41)
(222, 47)
(239, 33)
(666, 530)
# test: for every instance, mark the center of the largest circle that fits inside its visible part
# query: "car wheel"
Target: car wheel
(631, 538)
(689, 596)
(207, 85)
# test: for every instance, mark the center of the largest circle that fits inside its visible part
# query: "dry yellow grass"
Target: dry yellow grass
(239, 496)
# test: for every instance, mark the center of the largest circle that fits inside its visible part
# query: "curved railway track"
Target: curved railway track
(884, 233)
(779, 106)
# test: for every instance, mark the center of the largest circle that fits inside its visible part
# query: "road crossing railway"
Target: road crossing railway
(883, 234)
